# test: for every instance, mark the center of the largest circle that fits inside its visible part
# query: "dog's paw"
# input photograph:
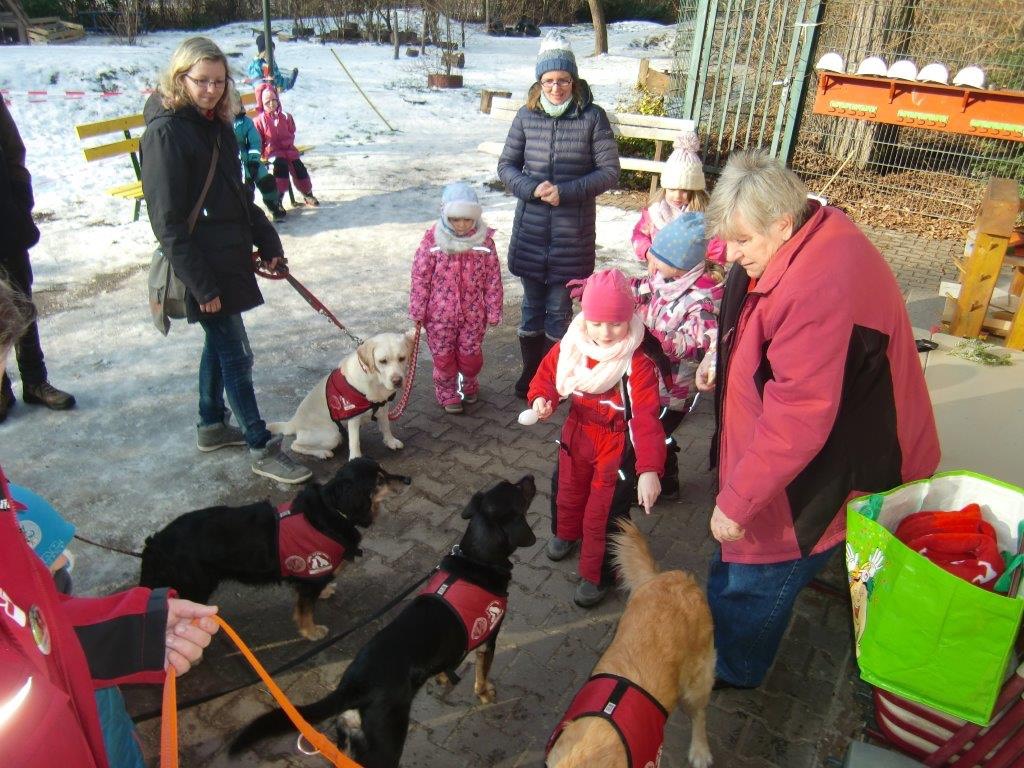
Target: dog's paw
(700, 756)
(394, 443)
(487, 693)
(328, 591)
(316, 632)
(443, 679)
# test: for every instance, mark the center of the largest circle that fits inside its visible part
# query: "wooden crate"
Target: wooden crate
(50, 30)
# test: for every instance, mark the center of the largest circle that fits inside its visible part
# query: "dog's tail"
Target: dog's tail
(281, 428)
(633, 557)
(277, 722)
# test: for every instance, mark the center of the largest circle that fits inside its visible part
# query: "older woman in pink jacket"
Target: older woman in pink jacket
(456, 293)
(277, 131)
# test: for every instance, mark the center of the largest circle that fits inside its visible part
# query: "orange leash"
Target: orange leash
(169, 723)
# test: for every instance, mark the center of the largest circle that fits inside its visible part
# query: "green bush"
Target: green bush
(35, 9)
(639, 101)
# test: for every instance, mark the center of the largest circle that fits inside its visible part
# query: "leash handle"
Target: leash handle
(169, 724)
(396, 412)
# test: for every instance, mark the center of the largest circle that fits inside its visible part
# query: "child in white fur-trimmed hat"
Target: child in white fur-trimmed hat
(682, 189)
(456, 293)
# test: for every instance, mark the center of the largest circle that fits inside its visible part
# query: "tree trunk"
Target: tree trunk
(600, 28)
(394, 34)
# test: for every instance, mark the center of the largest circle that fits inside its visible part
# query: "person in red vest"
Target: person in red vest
(55, 650)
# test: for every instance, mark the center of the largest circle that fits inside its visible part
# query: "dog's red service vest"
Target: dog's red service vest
(304, 552)
(636, 715)
(479, 610)
(345, 401)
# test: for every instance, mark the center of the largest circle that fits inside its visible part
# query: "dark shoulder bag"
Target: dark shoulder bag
(166, 291)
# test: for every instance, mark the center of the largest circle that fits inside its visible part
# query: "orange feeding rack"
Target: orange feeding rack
(936, 107)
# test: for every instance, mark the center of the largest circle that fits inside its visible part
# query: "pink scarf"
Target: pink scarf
(572, 373)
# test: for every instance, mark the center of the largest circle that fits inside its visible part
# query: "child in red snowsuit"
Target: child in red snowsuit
(277, 131)
(456, 293)
(612, 440)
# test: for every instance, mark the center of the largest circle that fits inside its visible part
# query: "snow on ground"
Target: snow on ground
(132, 431)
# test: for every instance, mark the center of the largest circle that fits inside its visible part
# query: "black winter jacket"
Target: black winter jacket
(216, 259)
(16, 200)
(577, 153)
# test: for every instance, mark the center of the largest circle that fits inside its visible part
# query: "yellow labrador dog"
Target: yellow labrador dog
(354, 392)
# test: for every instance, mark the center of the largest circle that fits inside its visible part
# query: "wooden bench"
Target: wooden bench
(624, 124)
(129, 146)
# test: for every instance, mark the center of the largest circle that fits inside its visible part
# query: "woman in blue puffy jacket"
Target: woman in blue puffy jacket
(560, 155)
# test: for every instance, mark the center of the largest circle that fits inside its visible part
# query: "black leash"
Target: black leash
(108, 547)
(304, 656)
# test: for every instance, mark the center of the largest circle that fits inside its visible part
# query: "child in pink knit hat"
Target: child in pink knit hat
(612, 440)
(682, 189)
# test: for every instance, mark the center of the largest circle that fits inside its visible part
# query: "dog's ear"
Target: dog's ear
(410, 340)
(366, 354)
(473, 507)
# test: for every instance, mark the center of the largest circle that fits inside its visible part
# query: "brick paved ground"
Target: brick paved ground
(807, 711)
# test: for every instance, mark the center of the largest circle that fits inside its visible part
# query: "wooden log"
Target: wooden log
(984, 259)
(999, 207)
(487, 95)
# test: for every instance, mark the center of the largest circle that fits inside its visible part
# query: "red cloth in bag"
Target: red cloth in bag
(960, 542)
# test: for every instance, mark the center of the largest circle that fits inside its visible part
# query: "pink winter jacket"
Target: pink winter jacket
(276, 129)
(456, 288)
(820, 390)
(646, 229)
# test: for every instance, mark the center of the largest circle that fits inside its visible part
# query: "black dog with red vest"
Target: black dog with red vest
(460, 609)
(304, 542)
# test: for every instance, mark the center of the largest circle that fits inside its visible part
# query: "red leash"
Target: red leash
(282, 273)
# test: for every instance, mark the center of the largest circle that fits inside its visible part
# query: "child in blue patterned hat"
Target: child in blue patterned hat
(679, 304)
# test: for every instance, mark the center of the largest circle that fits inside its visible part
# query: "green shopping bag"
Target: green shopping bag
(921, 632)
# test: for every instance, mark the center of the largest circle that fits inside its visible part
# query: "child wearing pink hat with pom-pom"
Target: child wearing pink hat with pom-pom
(682, 189)
(612, 440)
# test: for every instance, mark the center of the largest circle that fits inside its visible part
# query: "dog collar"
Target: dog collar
(636, 716)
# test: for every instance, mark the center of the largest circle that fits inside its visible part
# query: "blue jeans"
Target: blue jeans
(547, 309)
(119, 735)
(751, 606)
(226, 367)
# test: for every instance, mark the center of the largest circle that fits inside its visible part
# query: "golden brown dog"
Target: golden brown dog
(664, 644)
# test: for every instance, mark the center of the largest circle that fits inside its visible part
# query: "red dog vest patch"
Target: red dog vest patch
(343, 400)
(304, 552)
(479, 610)
(636, 715)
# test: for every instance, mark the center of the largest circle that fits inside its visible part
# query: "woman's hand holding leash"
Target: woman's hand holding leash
(648, 488)
(706, 372)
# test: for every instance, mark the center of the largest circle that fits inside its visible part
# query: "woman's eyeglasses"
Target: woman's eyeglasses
(207, 85)
(547, 85)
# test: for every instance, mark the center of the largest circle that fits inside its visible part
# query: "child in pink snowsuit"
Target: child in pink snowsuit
(277, 130)
(456, 293)
(681, 190)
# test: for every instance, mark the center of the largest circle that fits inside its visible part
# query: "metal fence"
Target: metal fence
(887, 175)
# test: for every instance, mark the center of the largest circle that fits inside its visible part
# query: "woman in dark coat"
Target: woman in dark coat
(186, 118)
(560, 155)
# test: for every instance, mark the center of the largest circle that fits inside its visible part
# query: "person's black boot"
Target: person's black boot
(46, 394)
(670, 478)
(533, 349)
(7, 400)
